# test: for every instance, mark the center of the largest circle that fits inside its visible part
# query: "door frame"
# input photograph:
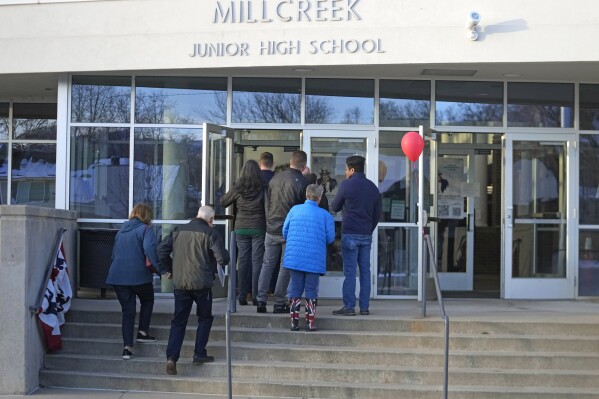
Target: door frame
(331, 284)
(227, 134)
(539, 288)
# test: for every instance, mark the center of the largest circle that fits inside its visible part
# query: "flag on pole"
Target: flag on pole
(56, 302)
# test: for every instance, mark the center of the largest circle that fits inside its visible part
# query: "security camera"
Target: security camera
(473, 19)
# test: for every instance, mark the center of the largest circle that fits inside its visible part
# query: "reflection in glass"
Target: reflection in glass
(539, 209)
(216, 175)
(469, 103)
(589, 179)
(540, 105)
(4, 121)
(348, 101)
(101, 99)
(328, 157)
(589, 107)
(180, 100)
(34, 121)
(99, 176)
(397, 180)
(539, 180)
(3, 173)
(588, 264)
(397, 263)
(404, 102)
(168, 171)
(33, 177)
(266, 100)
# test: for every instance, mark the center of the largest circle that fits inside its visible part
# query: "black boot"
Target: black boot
(310, 315)
(294, 313)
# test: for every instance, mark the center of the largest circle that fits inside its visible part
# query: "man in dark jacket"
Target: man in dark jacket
(196, 249)
(266, 163)
(286, 189)
(361, 203)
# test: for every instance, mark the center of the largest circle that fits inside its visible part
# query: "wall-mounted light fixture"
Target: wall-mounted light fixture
(473, 21)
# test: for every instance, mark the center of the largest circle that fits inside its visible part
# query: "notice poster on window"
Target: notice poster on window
(451, 179)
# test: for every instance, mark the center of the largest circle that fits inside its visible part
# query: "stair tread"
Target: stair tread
(408, 387)
(257, 363)
(374, 349)
(373, 333)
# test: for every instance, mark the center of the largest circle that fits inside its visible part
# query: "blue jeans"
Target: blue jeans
(274, 247)
(355, 249)
(301, 281)
(126, 295)
(184, 299)
(250, 253)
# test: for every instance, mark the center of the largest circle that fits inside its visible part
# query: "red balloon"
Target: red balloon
(412, 145)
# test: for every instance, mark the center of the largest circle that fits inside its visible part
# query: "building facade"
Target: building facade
(104, 104)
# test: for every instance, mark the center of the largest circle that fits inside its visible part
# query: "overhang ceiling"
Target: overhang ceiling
(43, 86)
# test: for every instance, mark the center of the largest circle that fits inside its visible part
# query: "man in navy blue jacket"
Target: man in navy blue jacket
(360, 200)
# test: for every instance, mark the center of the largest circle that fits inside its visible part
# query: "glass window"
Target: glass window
(397, 181)
(589, 107)
(4, 121)
(34, 121)
(3, 173)
(588, 264)
(180, 100)
(589, 179)
(404, 102)
(397, 267)
(468, 103)
(540, 105)
(101, 99)
(33, 174)
(168, 171)
(99, 182)
(348, 101)
(266, 100)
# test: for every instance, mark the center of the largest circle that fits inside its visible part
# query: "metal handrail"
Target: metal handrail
(231, 306)
(430, 259)
(37, 308)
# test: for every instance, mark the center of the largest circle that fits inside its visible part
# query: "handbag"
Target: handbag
(149, 265)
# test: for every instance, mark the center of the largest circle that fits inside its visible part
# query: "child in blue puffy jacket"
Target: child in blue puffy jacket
(307, 231)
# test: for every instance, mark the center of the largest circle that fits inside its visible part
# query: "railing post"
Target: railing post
(231, 307)
(424, 275)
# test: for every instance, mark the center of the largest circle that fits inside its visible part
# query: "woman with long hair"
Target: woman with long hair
(247, 197)
(130, 276)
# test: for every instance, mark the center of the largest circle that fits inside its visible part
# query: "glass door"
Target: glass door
(453, 208)
(538, 211)
(327, 152)
(217, 173)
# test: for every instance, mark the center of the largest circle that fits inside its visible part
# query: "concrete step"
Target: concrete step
(323, 372)
(326, 321)
(301, 388)
(417, 357)
(360, 339)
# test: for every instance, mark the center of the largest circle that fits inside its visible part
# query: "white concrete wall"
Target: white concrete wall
(160, 34)
(27, 235)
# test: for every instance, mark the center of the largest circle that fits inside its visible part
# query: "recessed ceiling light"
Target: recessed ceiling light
(512, 75)
(302, 69)
(48, 88)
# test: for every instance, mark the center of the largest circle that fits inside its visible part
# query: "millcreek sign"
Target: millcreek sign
(284, 11)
